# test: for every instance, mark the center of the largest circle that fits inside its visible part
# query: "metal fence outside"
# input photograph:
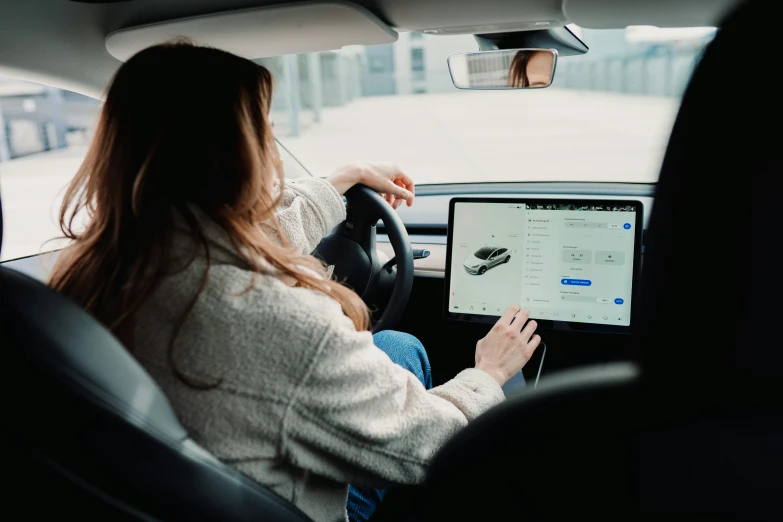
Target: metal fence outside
(661, 73)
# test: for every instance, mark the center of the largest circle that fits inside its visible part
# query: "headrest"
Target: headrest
(711, 286)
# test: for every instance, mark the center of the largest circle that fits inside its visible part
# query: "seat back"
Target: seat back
(87, 432)
(694, 426)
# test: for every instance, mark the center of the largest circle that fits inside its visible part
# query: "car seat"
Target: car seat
(87, 433)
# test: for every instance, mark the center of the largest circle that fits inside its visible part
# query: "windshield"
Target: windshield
(606, 117)
(484, 253)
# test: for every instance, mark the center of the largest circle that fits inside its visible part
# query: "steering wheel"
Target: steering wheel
(350, 247)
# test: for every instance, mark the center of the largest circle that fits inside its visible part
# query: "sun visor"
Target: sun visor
(609, 14)
(264, 31)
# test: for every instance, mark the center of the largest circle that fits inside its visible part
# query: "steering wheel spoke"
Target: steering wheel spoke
(351, 248)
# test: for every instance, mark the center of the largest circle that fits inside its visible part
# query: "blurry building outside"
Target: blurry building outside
(36, 118)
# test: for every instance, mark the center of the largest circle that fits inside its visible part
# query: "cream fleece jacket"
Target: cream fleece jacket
(301, 402)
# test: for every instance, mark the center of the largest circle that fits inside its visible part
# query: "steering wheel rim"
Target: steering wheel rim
(351, 248)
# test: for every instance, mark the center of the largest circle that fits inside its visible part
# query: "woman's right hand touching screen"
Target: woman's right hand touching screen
(508, 346)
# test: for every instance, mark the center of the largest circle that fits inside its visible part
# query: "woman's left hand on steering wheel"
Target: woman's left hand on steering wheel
(385, 178)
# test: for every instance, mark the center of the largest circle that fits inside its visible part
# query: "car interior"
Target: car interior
(672, 408)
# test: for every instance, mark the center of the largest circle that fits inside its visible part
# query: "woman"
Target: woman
(195, 256)
(530, 69)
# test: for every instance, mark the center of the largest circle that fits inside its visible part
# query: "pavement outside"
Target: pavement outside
(537, 135)
(542, 135)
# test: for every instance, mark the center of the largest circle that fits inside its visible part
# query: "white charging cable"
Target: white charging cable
(541, 364)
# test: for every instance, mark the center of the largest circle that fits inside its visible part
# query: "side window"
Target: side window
(494, 254)
(44, 134)
(292, 168)
(502, 251)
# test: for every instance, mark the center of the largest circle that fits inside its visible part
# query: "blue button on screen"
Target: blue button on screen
(627, 226)
(576, 282)
(618, 300)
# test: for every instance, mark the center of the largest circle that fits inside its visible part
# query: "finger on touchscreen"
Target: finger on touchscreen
(522, 317)
(509, 314)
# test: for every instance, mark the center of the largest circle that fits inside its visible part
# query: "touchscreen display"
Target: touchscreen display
(563, 261)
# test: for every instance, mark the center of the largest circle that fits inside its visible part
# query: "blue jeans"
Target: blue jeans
(408, 352)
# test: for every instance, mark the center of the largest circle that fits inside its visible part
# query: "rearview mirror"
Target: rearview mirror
(503, 69)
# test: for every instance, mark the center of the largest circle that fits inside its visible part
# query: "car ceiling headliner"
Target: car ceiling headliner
(62, 42)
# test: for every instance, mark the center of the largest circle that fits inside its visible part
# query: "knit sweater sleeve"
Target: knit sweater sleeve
(357, 417)
(309, 209)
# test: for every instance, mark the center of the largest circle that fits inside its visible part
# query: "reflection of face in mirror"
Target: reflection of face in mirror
(531, 69)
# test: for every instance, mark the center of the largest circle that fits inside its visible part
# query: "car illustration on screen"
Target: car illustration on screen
(485, 258)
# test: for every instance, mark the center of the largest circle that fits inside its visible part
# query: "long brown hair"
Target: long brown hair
(182, 127)
(517, 73)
